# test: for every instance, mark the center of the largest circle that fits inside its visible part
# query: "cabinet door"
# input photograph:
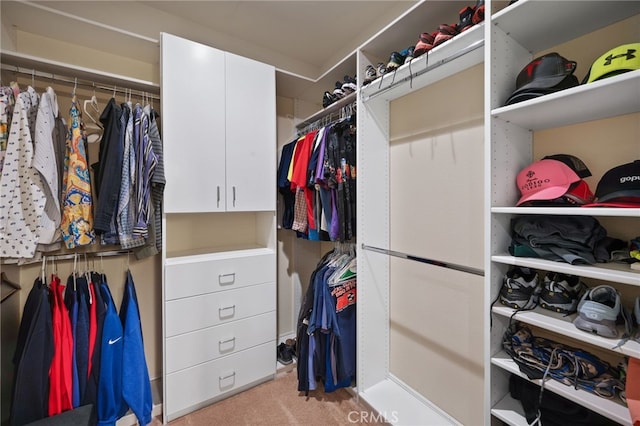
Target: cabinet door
(193, 122)
(251, 135)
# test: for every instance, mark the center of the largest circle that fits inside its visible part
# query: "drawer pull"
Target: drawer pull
(231, 308)
(227, 278)
(228, 376)
(222, 342)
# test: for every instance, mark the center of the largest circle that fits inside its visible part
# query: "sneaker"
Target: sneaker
(520, 288)
(349, 85)
(337, 91)
(598, 311)
(370, 74)
(395, 60)
(408, 54)
(424, 44)
(466, 15)
(291, 346)
(327, 99)
(478, 13)
(445, 32)
(381, 68)
(561, 293)
(284, 354)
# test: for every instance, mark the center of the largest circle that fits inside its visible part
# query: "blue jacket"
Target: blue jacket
(136, 386)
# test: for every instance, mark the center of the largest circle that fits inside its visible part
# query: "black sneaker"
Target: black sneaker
(338, 92)
(561, 293)
(381, 68)
(327, 99)
(284, 354)
(520, 288)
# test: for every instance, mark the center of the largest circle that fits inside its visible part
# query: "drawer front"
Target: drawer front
(188, 388)
(187, 350)
(208, 310)
(210, 275)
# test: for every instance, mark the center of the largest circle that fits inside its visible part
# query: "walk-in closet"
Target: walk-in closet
(201, 200)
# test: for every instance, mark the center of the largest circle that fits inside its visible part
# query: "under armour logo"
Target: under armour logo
(629, 55)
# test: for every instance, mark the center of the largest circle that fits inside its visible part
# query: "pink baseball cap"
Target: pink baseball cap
(545, 180)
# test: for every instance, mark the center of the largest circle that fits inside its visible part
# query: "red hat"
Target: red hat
(545, 180)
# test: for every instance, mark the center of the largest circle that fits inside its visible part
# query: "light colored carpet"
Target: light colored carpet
(278, 402)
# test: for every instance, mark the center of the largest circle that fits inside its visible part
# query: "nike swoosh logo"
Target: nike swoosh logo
(111, 342)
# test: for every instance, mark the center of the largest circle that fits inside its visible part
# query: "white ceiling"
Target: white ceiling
(305, 40)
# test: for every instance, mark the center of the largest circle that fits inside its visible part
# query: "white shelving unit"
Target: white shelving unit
(515, 35)
(376, 383)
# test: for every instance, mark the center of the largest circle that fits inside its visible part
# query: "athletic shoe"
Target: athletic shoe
(466, 14)
(424, 44)
(520, 288)
(561, 293)
(478, 13)
(598, 311)
(327, 99)
(445, 32)
(370, 74)
(284, 354)
(381, 68)
(408, 54)
(337, 91)
(349, 85)
(395, 60)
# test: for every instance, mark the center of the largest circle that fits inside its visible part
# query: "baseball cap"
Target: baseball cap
(545, 179)
(619, 187)
(576, 164)
(618, 60)
(545, 74)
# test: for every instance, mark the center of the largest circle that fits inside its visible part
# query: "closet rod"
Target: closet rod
(447, 265)
(459, 53)
(336, 106)
(329, 118)
(79, 82)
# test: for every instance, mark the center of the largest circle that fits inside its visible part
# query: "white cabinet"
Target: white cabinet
(251, 134)
(219, 129)
(572, 122)
(219, 281)
(219, 326)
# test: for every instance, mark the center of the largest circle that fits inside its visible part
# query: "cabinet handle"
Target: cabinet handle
(222, 278)
(218, 196)
(222, 342)
(234, 196)
(228, 376)
(226, 308)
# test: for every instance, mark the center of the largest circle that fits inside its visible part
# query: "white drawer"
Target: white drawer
(188, 389)
(191, 276)
(207, 310)
(187, 350)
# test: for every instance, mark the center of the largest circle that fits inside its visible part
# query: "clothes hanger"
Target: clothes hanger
(13, 287)
(94, 128)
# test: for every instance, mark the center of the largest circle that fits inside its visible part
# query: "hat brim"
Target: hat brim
(524, 93)
(614, 204)
(546, 194)
(613, 196)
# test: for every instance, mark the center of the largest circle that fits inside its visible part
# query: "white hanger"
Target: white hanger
(93, 129)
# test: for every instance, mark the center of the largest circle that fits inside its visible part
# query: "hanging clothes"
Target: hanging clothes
(108, 172)
(71, 302)
(320, 168)
(77, 211)
(96, 324)
(32, 358)
(60, 374)
(44, 161)
(326, 333)
(22, 201)
(136, 386)
(110, 405)
(82, 335)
